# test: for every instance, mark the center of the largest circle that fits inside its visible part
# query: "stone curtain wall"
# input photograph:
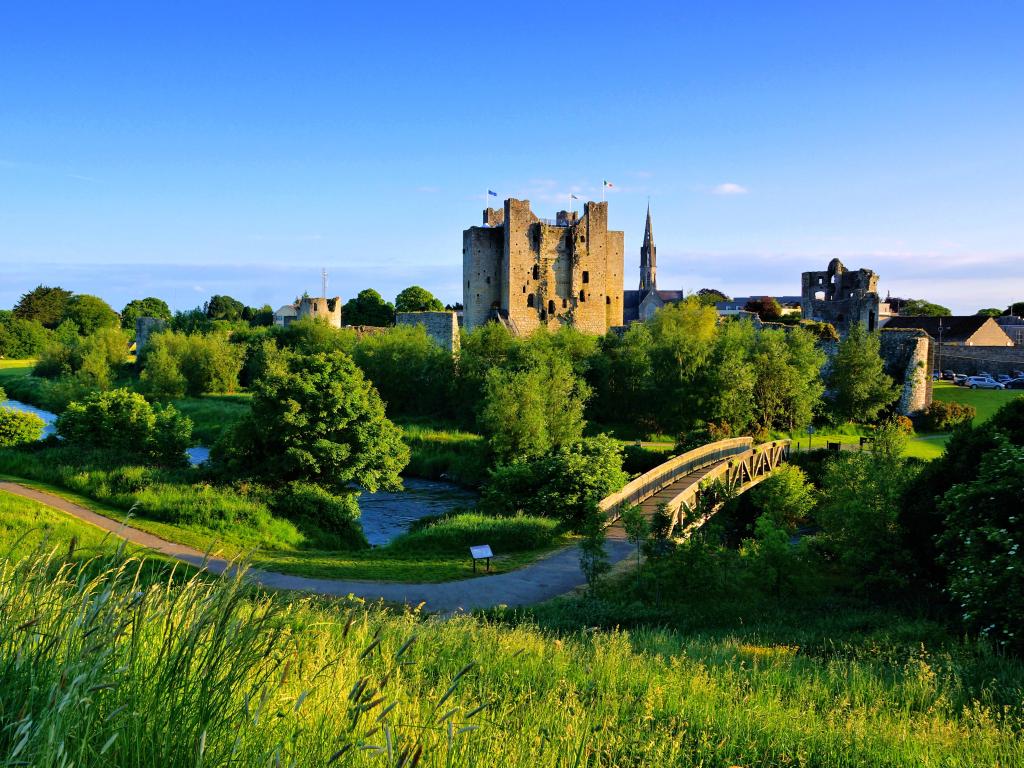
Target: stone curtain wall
(971, 360)
(442, 327)
(909, 358)
(144, 328)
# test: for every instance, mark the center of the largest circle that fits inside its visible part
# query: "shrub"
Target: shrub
(123, 420)
(455, 533)
(18, 427)
(336, 514)
(565, 483)
(982, 547)
(942, 416)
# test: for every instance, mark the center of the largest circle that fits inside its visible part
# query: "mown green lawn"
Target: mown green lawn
(12, 368)
(985, 401)
(412, 564)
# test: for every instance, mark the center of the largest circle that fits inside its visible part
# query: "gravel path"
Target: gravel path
(549, 577)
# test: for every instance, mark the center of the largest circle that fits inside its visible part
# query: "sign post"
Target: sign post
(481, 552)
(810, 436)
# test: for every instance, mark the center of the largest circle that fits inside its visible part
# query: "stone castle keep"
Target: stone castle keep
(528, 272)
(840, 296)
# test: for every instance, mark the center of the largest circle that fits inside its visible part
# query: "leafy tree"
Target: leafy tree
(368, 308)
(43, 304)
(99, 356)
(410, 371)
(262, 317)
(316, 419)
(989, 312)
(1017, 308)
(526, 413)
(860, 387)
(683, 342)
(148, 307)
(416, 299)
(593, 556)
(191, 321)
(161, 378)
(785, 497)
(90, 313)
(491, 345)
(733, 380)
(17, 427)
(915, 307)
(223, 308)
(709, 297)
(921, 519)
(772, 559)
(634, 523)
(621, 375)
(122, 420)
(982, 545)
(21, 338)
(765, 307)
(859, 511)
(310, 336)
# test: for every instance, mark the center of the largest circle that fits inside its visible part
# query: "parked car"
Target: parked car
(1015, 383)
(1002, 378)
(983, 382)
(960, 378)
(948, 375)
(1017, 374)
(986, 374)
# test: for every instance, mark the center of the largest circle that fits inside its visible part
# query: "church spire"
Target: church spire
(648, 259)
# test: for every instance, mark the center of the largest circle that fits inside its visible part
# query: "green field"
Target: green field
(432, 555)
(985, 401)
(12, 368)
(212, 415)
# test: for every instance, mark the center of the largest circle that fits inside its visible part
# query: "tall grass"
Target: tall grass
(102, 667)
(446, 454)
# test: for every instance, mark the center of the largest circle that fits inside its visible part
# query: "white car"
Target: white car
(983, 382)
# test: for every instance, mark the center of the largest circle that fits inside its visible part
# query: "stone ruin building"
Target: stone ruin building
(841, 297)
(528, 272)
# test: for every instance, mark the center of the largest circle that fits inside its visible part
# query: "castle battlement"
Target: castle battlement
(531, 272)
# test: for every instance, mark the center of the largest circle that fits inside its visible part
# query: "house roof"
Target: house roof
(288, 310)
(954, 328)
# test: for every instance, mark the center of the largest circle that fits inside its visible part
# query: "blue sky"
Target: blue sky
(183, 149)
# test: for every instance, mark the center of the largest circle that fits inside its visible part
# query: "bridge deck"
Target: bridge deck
(650, 505)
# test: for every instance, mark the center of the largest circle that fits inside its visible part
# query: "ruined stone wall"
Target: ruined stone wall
(482, 255)
(615, 251)
(321, 308)
(442, 327)
(144, 328)
(971, 360)
(522, 262)
(841, 297)
(909, 358)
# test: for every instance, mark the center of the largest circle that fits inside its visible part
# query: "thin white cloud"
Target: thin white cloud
(730, 188)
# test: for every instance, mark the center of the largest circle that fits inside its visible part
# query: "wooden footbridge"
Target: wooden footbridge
(678, 483)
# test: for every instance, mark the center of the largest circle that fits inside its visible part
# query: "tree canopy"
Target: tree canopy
(860, 387)
(368, 308)
(711, 296)
(43, 304)
(914, 307)
(765, 307)
(148, 307)
(223, 308)
(417, 299)
(317, 419)
(90, 313)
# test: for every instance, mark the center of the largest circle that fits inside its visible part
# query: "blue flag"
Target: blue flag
(492, 193)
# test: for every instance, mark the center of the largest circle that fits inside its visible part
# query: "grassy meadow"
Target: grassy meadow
(108, 664)
(12, 368)
(985, 401)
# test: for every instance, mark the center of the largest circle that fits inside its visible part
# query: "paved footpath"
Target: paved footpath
(549, 577)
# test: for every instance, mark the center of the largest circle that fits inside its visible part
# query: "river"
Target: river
(385, 514)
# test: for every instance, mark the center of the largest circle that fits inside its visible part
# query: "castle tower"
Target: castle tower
(648, 259)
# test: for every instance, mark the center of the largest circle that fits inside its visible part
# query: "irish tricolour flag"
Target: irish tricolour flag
(608, 183)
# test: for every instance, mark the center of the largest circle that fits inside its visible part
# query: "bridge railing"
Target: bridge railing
(662, 476)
